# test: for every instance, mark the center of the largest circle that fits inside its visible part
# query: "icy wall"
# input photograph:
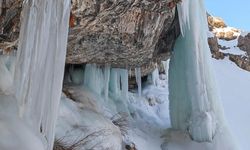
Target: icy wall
(193, 97)
(40, 64)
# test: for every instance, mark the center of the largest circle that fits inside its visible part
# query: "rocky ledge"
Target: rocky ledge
(124, 33)
(121, 33)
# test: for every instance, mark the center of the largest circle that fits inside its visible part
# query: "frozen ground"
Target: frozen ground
(233, 84)
(151, 117)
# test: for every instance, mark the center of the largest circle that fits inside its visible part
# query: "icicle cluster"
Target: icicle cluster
(107, 82)
(193, 97)
(40, 64)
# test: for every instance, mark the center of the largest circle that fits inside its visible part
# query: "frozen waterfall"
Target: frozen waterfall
(40, 64)
(194, 103)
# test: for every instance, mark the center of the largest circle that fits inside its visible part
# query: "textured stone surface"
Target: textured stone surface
(124, 33)
(214, 48)
(241, 61)
(10, 11)
(244, 43)
(215, 22)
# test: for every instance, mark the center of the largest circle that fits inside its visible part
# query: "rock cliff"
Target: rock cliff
(122, 33)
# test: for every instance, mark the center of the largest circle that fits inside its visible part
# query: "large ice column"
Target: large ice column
(40, 63)
(194, 105)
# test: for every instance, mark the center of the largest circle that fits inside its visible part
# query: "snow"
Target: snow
(232, 45)
(210, 34)
(226, 29)
(77, 122)
(244, 33)
(150, 113)
(11, 126)
(234, 88)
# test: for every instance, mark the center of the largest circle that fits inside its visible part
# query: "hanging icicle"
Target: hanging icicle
(40, 64)
(106, 80)
(138, 80)
(124, 83)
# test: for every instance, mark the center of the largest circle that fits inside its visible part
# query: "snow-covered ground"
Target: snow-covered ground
(233, 83)
(151, 113)
(232, 47)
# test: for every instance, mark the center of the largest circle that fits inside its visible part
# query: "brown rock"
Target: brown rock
(241, 61)
(125, 34)
(214, 48)
(244, 43)
(216, 22)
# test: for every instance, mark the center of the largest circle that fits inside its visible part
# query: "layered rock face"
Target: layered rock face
(214, 48)
(10, 11)
(124, 33)
(244, 43)
(121, 33)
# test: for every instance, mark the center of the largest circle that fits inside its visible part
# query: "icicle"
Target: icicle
(138, 80)
(106, 80)
(124, 83)
(76, 74)
(40, 63)
(94, 78)
(166, 67)
(193, 96)
(183, 10)
(155, 77)
(130, 72)
(114, 85)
